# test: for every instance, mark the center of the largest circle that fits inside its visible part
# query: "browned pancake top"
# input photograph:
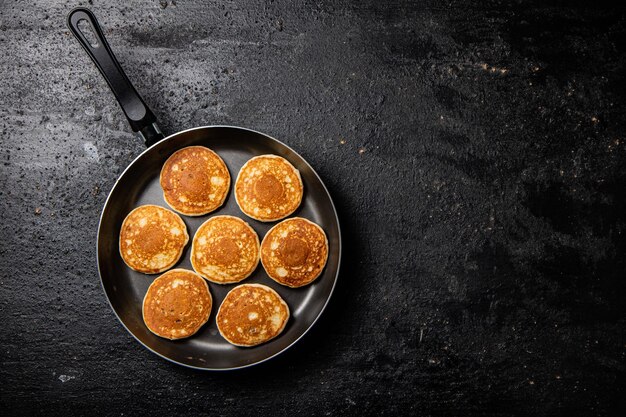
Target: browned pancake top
(294, 252)
(225, 249)
(268, 188)
(195, 181)
(177, 304)
(252, 314)
(152, 239)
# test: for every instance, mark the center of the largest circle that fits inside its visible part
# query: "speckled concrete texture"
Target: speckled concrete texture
(476, 151)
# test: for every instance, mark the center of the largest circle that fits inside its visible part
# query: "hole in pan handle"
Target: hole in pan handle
(140, 117)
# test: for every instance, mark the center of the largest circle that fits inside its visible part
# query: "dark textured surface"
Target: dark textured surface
(476, 153)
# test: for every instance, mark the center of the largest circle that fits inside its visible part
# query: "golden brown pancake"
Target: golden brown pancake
(294, 252)
(177, 304)
(152, 239)
(195, 181)
(268, 188)
(225, 249)
(252, 314)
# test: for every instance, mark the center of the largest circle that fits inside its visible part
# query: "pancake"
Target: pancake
(225, 249)
(294, 252)
(177, 304)
(268, 188)
(252, 314)
(152, 239)
(195, 181)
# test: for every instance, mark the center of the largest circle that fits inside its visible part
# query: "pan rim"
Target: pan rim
(106, 203)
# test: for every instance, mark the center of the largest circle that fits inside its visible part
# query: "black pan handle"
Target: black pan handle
(139, 116)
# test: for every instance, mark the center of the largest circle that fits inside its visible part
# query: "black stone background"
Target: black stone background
(476, 153)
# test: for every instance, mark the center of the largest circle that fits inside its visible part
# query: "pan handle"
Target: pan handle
(86, 29)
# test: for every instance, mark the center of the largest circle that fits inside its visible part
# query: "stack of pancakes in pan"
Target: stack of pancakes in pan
(225, 249)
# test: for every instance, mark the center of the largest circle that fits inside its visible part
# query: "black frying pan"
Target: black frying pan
(139, 184)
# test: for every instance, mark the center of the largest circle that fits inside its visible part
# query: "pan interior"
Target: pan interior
(125, 288)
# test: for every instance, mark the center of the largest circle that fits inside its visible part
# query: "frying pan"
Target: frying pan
(139, 184)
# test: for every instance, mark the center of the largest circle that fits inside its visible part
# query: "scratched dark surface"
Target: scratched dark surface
(476, 151)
